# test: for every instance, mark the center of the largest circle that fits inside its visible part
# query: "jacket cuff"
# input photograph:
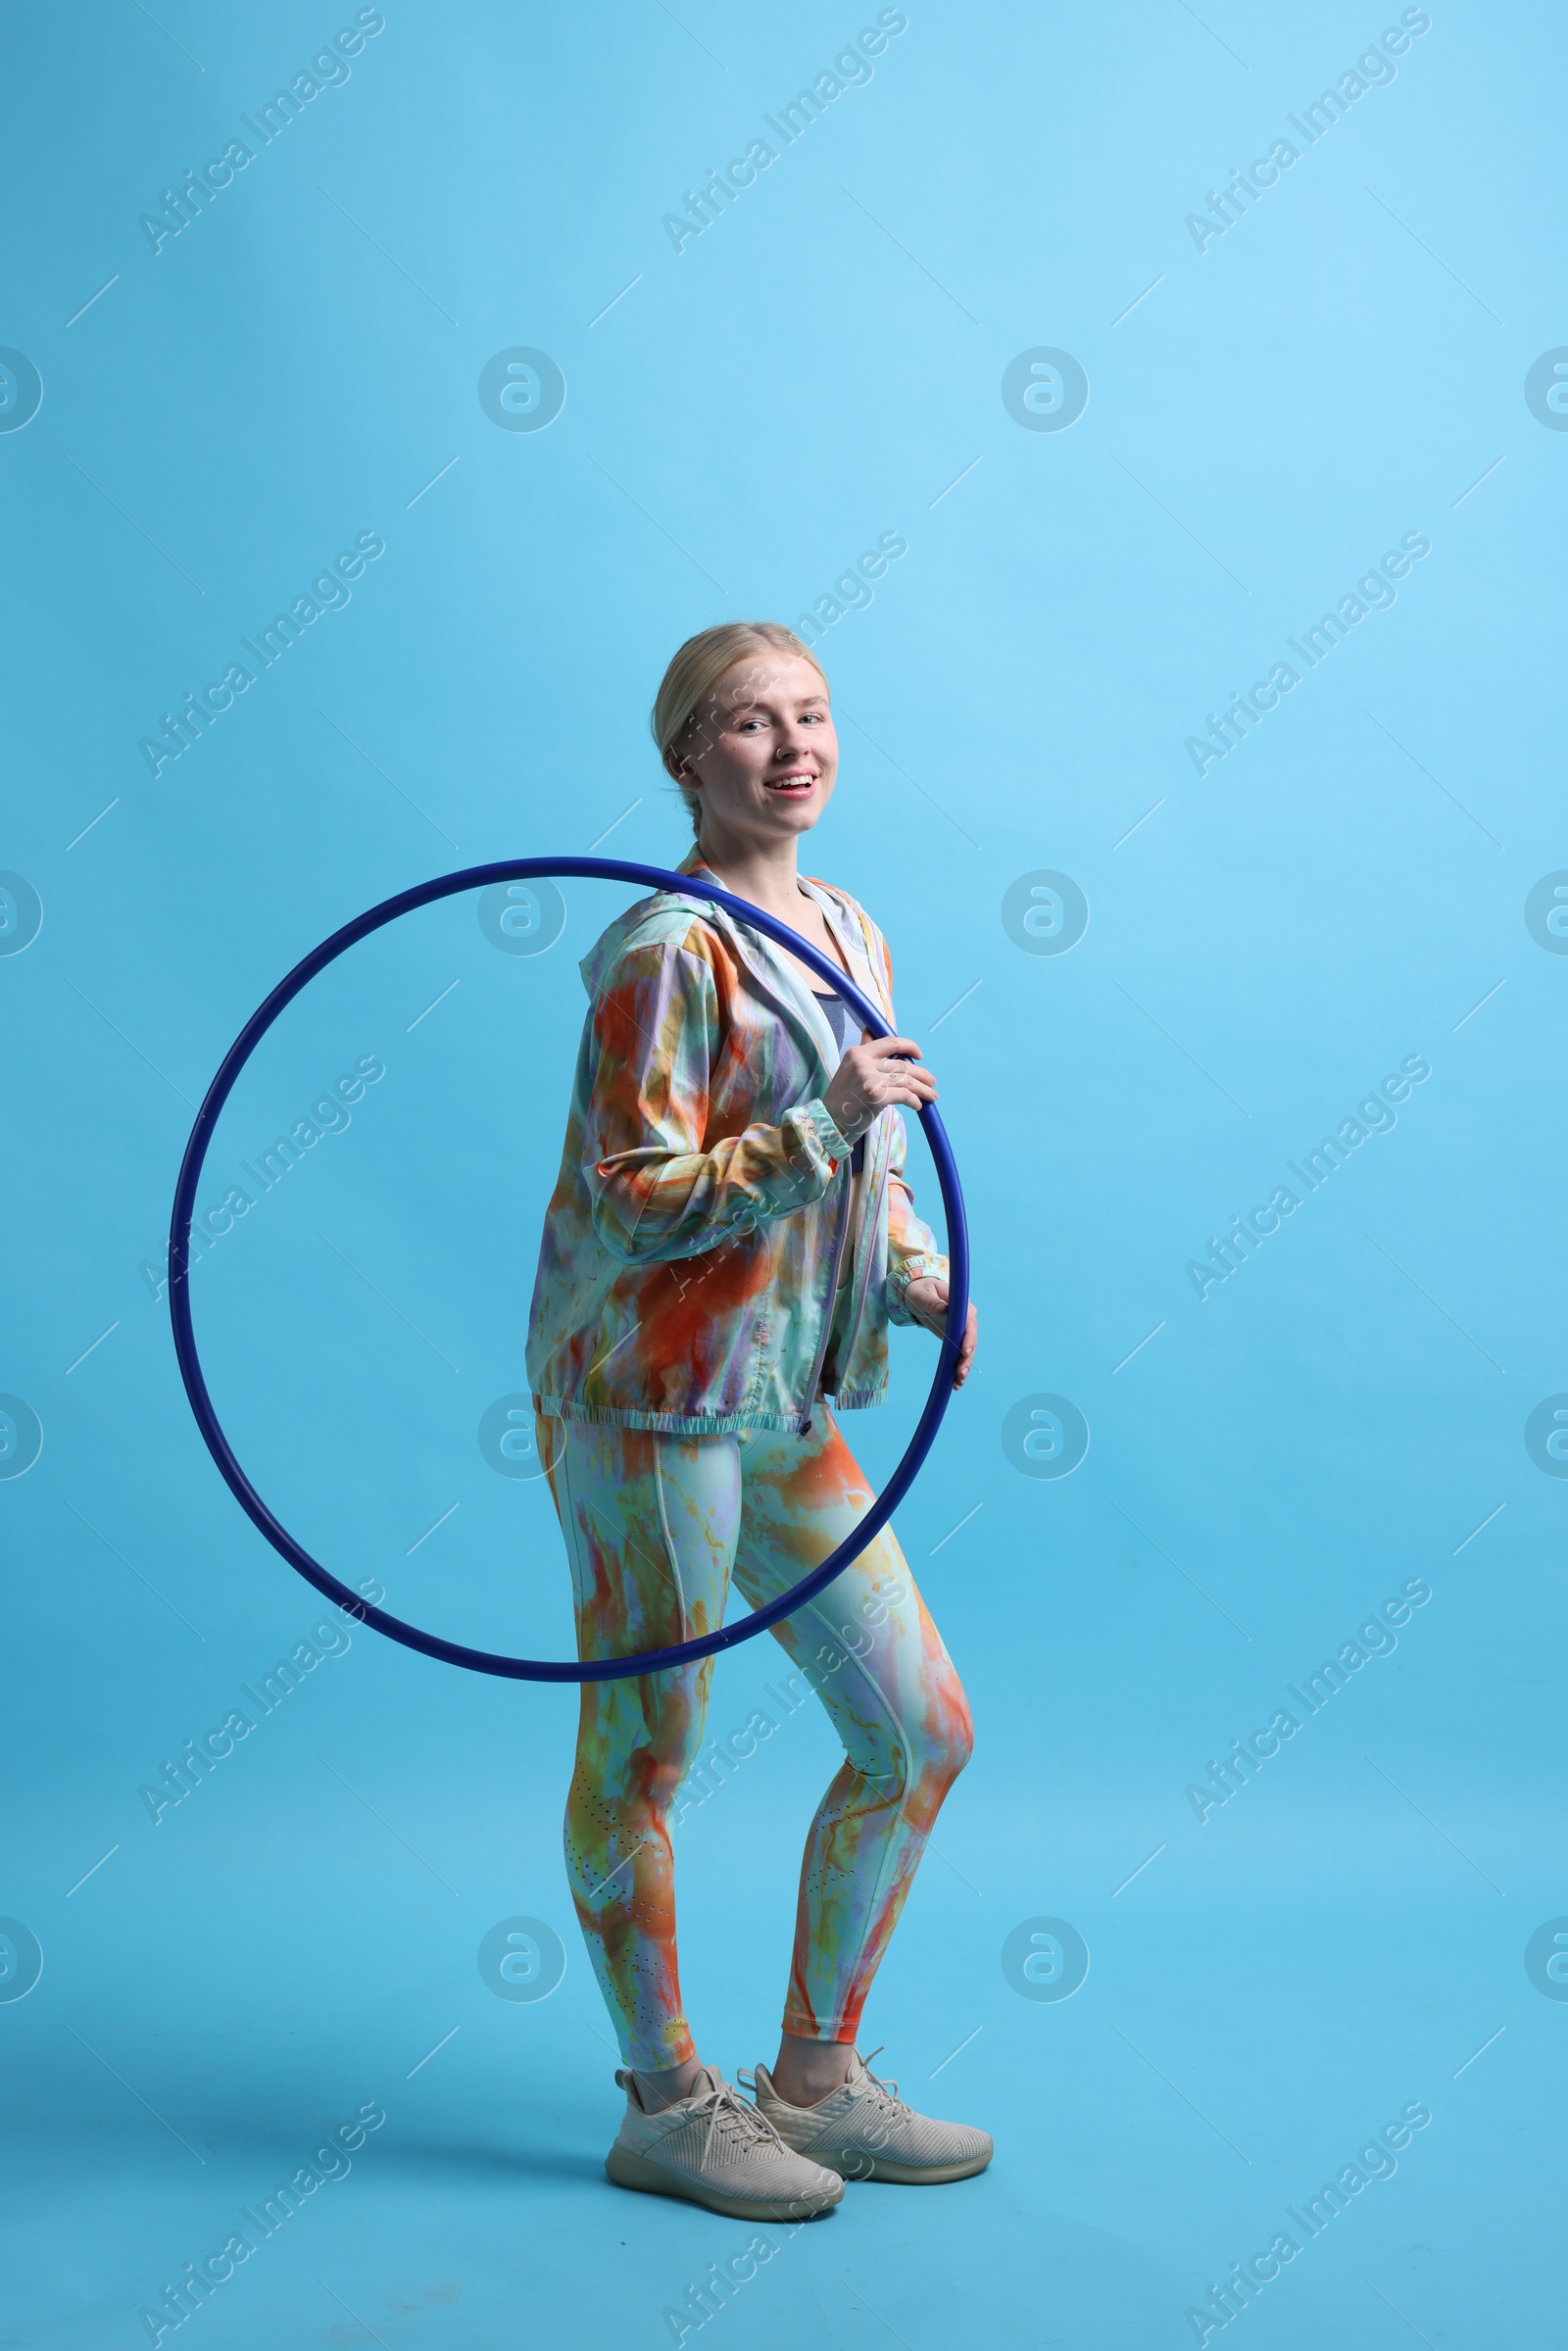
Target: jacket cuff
(908, 1270)
(817, 1116)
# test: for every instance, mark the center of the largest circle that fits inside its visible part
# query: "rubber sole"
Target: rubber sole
(902, 2175)
(653, 2180)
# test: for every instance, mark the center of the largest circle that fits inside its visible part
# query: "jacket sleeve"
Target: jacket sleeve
(658, 1194)
(913, 1248)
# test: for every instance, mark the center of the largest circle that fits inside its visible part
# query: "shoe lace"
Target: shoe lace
(886, 2093)
(733, 2121)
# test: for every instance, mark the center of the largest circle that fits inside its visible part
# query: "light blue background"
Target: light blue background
(298, 367)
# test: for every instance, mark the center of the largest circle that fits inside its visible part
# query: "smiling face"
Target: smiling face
(761, 753)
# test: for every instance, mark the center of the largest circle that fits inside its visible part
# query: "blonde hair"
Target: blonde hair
(696, 670)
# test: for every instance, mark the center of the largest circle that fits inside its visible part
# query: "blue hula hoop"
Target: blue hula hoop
(430, 1644)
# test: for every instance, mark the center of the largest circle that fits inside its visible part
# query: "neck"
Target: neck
(766, 873)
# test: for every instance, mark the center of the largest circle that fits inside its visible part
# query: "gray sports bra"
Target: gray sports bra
(841, 1020)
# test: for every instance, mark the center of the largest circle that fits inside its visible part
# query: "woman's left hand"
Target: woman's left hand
(927, 1302)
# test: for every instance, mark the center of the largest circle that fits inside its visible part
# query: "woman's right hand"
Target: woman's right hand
(874, 1076)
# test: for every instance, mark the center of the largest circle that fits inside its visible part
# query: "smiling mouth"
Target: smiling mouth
(799, 783)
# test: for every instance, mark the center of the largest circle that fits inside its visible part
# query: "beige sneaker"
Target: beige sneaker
(715, 2148)
(865, 2131)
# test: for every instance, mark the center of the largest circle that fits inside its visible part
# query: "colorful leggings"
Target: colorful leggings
(653, 1526)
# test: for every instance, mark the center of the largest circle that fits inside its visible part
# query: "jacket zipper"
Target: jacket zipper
(868, 1223)
(805, 1426)
(838, 1258)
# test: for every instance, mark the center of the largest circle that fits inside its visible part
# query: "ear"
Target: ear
(677, 764)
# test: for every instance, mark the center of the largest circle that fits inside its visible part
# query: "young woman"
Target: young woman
(729, 1238)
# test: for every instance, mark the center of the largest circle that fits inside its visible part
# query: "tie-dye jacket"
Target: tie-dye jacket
(692, 1246)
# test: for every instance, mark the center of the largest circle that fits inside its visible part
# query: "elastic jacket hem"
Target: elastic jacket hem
(697, 1424)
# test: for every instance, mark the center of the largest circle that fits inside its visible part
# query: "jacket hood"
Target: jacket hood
(665, 911)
